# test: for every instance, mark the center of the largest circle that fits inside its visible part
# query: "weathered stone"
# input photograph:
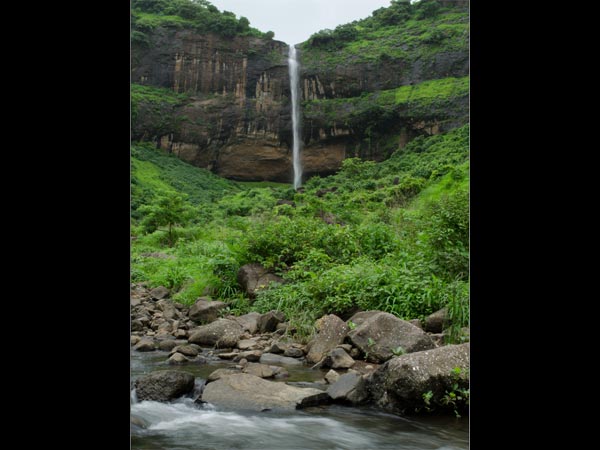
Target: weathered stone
(135, 301)
(144, 345)
(350, 387)
(381, 333)
(417, 323)
(164, 385)
(331, 332)
(247, 344)
(137, 325)
(228, 355)
(399, 384)
(214, 376)
(159, 293)
(278, 347)
(332, 376)
(167, 345)
(268, 322)
(259, 370)
(338, 359)
(177, 358)
(361, 316)
(254, 277)
(205, 310)
(248, 392)
(251, 355)
(180, 334)
(134, 340)
(186, 350)
(435, 323)
(293, 352)
(270, 358)
(223, 333)
(168, 309)
(249, 322)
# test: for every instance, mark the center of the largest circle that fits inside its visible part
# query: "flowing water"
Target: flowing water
(294, 69)
(183, 424)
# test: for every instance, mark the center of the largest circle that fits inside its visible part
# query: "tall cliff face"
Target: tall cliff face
(233, 114)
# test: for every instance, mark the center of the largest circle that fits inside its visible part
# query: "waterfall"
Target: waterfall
(294, 68)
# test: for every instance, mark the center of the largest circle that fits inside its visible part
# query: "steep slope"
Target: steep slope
(368, 87)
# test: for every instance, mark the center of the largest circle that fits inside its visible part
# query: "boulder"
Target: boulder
(399, 384)
(248, 344)
(270, 358)
(381, 333)
(248, 392)
(206, 311)
(249, 322)
(332, 376)
(436, 322)
(177, 358)
(214, 376)
(137, 325)
(267, 322)
(167, 345)
(186, 350)
(168, 309)
(293, 352)
(164, 385)
(360, 317)
(144, 345)
(331, 332)
(350, 387)
(251, 355)
(254, 277)
(338, 359)
(134, 340)
(222, 333)
(159, 293)
(260, 370)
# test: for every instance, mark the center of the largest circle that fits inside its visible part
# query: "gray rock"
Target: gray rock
(270, 358)
(338, 359)
(180, 334)
(278, 347)
(360, 317)
(254, 277)
(249, 322)
(206, 311)
(399, 384)
(164, 385)
(251, 355)
(436, 322)
(332, 376)
(186, 350)
(259, 370)
(135, 301)
(331, 332)
(177, 358)
(134, 340)
(248, 344)
(214, 376)
(293, 352)
(223, 333)
(377, 336)
(144, 345)
(159, 293)
(167, 345)
(248, 392)
(168, 309)
(268, 322)
(137, 325)
(417, 323)
(350, 387)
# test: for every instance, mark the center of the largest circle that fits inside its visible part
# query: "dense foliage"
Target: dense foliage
(200, 15)
(391, 236)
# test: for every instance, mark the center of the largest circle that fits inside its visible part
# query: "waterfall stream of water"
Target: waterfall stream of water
(294, 69)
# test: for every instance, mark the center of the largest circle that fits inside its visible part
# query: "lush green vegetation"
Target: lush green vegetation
(399, 32)
(390, 236)
(199, 15)
(153, 111)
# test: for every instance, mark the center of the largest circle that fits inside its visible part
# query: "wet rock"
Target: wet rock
(277, 348)
(214, 376)
(436, 322)
(206, 311)
(248, 392)
(177, 358)
(186, 350)
(268, 322)
(331, 332)
(381, 333)
(167, 345)
(249, 322)
(350, 387)
(259, 370)
(270, 358)
(228, 355)
(164, 385)
(159, 293)
(223, 333)
(252, 355)
(399, 384)
(248, 344)
(144, 345)
(134, 340)
(137, 325)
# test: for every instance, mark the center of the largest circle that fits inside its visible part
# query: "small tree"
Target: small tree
(168, 209)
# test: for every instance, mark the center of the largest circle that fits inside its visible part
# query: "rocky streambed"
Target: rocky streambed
(200, 374)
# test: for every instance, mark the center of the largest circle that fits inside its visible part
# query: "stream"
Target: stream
(183, 424)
